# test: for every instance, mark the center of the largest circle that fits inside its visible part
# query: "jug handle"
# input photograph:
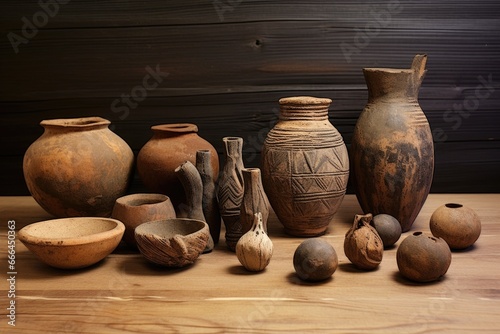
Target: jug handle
(418, 67)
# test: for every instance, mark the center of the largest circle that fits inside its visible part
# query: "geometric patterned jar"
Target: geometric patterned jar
(305, 166)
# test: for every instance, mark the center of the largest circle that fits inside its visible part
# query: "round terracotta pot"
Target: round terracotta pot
(170, 146)
(305, 166)
(78, 167)
(136, 209)
(457, 224)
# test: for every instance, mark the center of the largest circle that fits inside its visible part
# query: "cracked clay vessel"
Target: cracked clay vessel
(392, 152)
(78, 167)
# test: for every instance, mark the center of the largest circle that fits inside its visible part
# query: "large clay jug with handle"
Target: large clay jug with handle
(392, 152)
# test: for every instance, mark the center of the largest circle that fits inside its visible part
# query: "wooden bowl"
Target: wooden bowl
(175, 242)
(72, 243)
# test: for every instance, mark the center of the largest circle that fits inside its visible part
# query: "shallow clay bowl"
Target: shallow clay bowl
(72, 243)
(175, 242)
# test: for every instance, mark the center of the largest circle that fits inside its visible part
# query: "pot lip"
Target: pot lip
(232, 139)
(388, 70)
(304, 100)
(201, 227)
(148, 199)
(26, 236)
(453, 205)
(175, 128)
(251, 170)
(76, 123)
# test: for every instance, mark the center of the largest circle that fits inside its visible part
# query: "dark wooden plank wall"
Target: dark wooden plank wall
(229, 61)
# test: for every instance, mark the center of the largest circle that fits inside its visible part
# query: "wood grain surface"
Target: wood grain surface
(228, 63)
(124, 293)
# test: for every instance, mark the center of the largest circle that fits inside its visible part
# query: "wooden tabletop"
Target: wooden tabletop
(125, 294)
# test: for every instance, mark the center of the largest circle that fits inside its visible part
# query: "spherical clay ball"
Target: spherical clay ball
(457, 224)
(423, 258)
(315, 260)
(388, 228)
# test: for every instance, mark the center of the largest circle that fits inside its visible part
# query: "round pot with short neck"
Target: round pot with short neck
(78, 167)
(170, 146)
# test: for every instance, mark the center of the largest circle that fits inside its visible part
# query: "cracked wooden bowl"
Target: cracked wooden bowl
(175, 242)
(72, 243)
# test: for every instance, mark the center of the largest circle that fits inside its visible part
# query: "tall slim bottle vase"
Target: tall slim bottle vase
(230, 189)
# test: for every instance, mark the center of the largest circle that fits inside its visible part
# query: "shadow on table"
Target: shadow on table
(139, 266)
(396, 276)
(295, 280)
(29, 267)
(348, 267)
(240, 270)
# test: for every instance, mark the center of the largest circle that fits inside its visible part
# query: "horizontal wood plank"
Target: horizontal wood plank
(228, 66)
(125, 293)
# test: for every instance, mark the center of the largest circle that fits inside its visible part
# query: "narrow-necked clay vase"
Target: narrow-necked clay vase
(230, 189)
(78, 167)
(254, 200)
(170, 146)
(209, 200)
(392, 152)
(305, 166)
(136, 209)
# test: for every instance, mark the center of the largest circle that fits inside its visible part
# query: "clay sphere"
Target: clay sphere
(457, 224)
(388, 228)
(423, 258)
(315, 260)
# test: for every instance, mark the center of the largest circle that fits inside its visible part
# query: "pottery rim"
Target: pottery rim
(76, 123)
(171, 221)
(304, 101)
(30, 238)
(142, 199)
(175, 128)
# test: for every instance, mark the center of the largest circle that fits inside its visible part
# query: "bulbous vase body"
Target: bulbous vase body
(78, 167)
(305, 166)
(170, 146)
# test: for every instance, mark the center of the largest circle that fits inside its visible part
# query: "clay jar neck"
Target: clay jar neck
(396, 84)
(251, 178)
(304, 108)
(174, 130)
(75, 124)
(234, 149)
(387, 83)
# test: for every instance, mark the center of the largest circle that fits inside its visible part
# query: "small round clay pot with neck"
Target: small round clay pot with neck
(170, 146)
